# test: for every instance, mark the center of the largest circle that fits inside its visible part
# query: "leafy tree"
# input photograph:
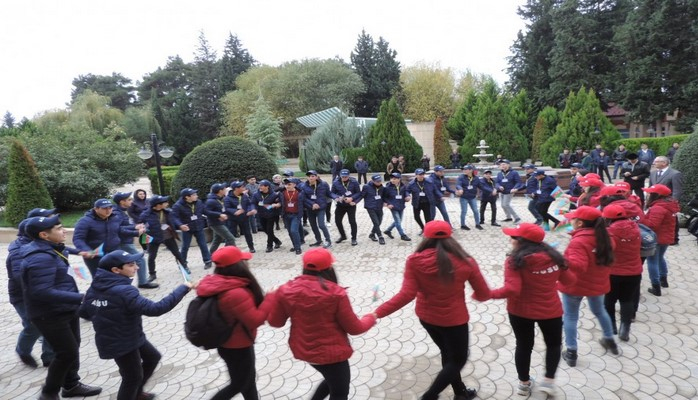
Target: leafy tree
(237, 105)
(544, 129)
(376, 65)
(8, 120)
(91, 111)
(234, 62)
(264, 129)
(116, 87)
(204, 90)
(338, 134)
(428, 92)
(139, 123)
(685, 161)
(26, 190)
(442, 149)
(390, 136)
(468, 83)
(221, 160)
(582, 124)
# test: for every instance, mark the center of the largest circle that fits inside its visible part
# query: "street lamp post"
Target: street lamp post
(159, 151)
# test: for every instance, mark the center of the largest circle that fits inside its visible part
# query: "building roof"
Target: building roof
(319, 118)
(614, 110)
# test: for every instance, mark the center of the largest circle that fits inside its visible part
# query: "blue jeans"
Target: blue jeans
(464, 203)
(29, 335)
(200, 240)
(533, 209)
(142, 272)
(441, 206)
(292, 222)
(656, 264)
(616, 166)
(397, 222)
(317, 224)
(570, 305)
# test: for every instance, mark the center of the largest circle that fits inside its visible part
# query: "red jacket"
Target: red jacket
(236, 303)
(320, 319)
(592, 279)
(531, 290)
(661, 218)
(626, 235)
(632, 210)
(437, 303)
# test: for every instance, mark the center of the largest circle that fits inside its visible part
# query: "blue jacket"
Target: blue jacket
(469, 186)
(531, 184)
(232, 202)
(321, 192)
(13, 263)
(441, 184)
(151, 219)
(91, 231)
(284, 201)
(427, 187)
(507, 182)
(391, 193)
(373, 196)
(47, 287)
(191, 214)
(574, 189)
(546, 187)
(647, 157)
(486, 189)
(128, 232)
(361, 166)
(352, 189)
(115, 308)
(595, 156)
(213, 208)
(262, 202)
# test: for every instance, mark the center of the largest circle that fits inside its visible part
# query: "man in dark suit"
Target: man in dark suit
(670, 178)
(336, 166)
(635, 172)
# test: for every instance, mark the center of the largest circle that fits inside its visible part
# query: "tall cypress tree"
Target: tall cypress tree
(204, 90)
(25, 189)
(235, 61)
(379, 70)
(442, 149)
(390, 136)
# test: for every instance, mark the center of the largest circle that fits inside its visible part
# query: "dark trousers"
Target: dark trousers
(244, 225)
(453, 344)
(533, 209)
(336, 383)
(637, 191)
(624, 290)
(328, 212)
(241, 369)
(221, 233)
(360, 175)
(339, 213)
(63, 334)
(268, 226)
(524, 331)
(602, 169)
(425, 208)
(376, 219)
(135, 368)
(543, 211)
(493, 207)
(171, 245)
(92, 264)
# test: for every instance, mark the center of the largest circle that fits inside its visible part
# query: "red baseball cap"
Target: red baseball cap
(614, 211)
(318, 259)
(584, 212)
(229, 255)
(623, 185)
(531, 232)
(591, 182)
(592, 175)
(437, 230)
(611, 190)
(660, 189)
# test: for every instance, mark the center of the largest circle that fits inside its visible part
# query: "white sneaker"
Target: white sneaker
(524, 389)
(547, 388)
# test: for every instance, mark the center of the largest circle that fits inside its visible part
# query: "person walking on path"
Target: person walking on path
(466, 190)
(160, 223)
(190, 211)
(100, 229)
(488, 195)
(316, 193)
(372, 195)
(123, 201)
(267, 204)
(395, 197)
(660, 217)
(239, 208)
(424, 196)
(346, 191)
(214, 209)
(292, 201)
(321, 320)
(508, 183)
(435, 274)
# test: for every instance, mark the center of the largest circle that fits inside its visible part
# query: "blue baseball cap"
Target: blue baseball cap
(264, 182)
(120, 196)
(396, 175)
(118, 258)
(539, 172)
(295, 181)
(237, 184)
(505, 161)
(157, 199)
(419, 171)
(576, 165)
(188, 192)
(311, 172)
(35, 225)
(529, 166)
(41, 212)
(104, 203)
(377, 178)
(344, 172)
(217, 187)
(288, 172)
(468, 166)
(439, 168)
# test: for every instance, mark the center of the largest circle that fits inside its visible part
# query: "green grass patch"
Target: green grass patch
(68, 218)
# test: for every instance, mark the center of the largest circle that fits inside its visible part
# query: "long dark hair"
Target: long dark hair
(604, 249)
(242, 270)
(606, 200)
(444, 247)
(526, 247)
(584, 201)
(326, 274)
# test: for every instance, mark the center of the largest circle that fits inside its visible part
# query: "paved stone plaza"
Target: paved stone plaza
(396, 359)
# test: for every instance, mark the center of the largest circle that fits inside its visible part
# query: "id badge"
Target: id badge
(261, 203)
(398, 197)
(422, 194)
(222, 209)
(347, 193)
(443, 188)
(164, 227)
(505, 180)
(239, 207)
(194, 218)
(313, 197)
(470, 187)
(290, 204)
(377, 197)
(538, 192)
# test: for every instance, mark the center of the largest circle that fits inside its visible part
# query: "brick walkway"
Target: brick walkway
(396, 359)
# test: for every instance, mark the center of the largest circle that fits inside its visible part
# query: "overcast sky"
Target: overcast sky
(44, 44)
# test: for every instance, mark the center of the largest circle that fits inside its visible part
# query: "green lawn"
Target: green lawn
(69, 219)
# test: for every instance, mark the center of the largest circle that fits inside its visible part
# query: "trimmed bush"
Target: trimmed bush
(685, 161)
(659, 145)
(26, 190)
(222, 160)
(168, 175)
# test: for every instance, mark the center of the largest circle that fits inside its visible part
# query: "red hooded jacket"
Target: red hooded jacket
(661, 219)
(592, 279)
(440, 304)
(531, 290)
(236, 303)
(626, 235)
(321, 318)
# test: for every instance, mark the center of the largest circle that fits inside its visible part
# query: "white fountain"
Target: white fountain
(483, 155)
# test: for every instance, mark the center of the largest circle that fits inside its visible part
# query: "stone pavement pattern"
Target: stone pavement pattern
(396, 359)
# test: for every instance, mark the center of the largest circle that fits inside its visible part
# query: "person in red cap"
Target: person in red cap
(626, 270)
(589, 255)
(661, 218)
(321, 317)
(241, 302)
(592, 186)
(531, 272)
(436, 274)
(616, 195)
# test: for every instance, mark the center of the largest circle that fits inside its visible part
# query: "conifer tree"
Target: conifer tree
(390, 136)
(544, 129)
(442, 149)
(26, 190)
(265, 129)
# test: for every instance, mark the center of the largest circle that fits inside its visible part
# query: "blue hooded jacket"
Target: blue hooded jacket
(213, 208)
(430, 191)
(340, 190)
(151, 219)
(508, 181)
(369, 193)
(115, 308)
(14, 268)
(232, 202)
(391, 191)
(91, 231)
(191, 214)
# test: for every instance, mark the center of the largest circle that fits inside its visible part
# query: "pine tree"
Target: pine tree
(265, 129)
(376, 65)
(234, 62)
(390, 136)
(442, 149)
(26, 190)
(204, 90)
(685, 161)
(8, 120)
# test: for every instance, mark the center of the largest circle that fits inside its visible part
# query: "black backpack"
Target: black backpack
(205, 326)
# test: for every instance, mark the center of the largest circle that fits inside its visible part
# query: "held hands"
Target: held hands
(191, 285)
(184, 228)
(223, 217)
(316, 206)
(86, 254)
(459, 192)
(239, 212)
(253, 212)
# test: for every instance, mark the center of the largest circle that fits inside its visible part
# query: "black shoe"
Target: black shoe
(46, 363)
(340, 240)
(305, 224)
(507, 220)
(655, 290)
(381, 240)
(388, 234)
(253, 251)
(292, 249)
(405, 238)
(152, 277)
(298, 251)
(148, 285)
(610, 345)
(29, 361)
(315, 244)
(517, 220)
(277, 244)
(464, 227)
(44, 396)
(187, 270)
(624, 332)
(478, 227)
(305, 232)
(468, 394)
(373, 237)
(354, 242)
(663, 282)
(146, 396)
(81, 390)
(570, 357)
(495, 224)
(269, 249)
(208, 265)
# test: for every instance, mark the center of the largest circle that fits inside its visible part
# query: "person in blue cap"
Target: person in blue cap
(115, 308)
(316, 193)
(239, 208)
(268, 206)
(466, 190)
(488, 195)
(545, 185)
(508, 183)
(424, 196)
(531, 187)
(214, 209)
(52, 300)
(395, 197)
(190, 211)
(372, 194)
(346, 192)
(160, 224)
(440, 182)
(123, 202)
